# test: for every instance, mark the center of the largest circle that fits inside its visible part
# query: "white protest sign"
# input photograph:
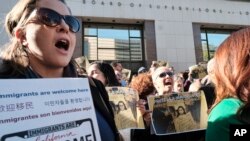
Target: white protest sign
(47, 110)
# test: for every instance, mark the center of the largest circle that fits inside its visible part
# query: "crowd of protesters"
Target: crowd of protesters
(158, 79)
(224, 81)
(43, 31)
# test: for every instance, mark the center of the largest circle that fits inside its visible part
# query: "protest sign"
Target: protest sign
(47, 110)
(123, 101)
(178, 112)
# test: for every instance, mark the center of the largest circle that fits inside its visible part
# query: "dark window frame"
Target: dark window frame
(207, 31)
(128, 27)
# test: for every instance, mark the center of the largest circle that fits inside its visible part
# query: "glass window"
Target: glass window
(216, 39)
(203, 36)
(113, 33)
(211, 39)
(135, 33)
(136, 50)
(90, 31)
(205, 51)
(113, 42)
(90, 47)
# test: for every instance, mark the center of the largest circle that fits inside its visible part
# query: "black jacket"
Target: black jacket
(101, 103)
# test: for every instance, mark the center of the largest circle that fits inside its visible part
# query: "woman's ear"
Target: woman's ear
(20, 35)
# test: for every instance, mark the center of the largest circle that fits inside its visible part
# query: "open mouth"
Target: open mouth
(167, 83)
(62, 44)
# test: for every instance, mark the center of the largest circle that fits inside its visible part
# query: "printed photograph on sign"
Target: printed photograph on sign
(123, 101)
(178, 112)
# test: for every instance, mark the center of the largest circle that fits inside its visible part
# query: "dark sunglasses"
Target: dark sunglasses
(164, 74)
(52, 18)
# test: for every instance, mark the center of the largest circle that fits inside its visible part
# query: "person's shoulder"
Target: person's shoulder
(7, 70)
(97, 82)
(231, 101)
(229, 105)
(92, 81)
(226, 110)
(83, 75)
(3, 65)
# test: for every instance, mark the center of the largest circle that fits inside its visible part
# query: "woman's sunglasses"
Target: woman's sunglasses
(164, 74)
(52, 18)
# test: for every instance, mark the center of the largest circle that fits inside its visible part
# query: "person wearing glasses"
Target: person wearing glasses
(43, 39)
(163, 80)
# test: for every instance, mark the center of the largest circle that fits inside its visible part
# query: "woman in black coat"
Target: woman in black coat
(43, 39)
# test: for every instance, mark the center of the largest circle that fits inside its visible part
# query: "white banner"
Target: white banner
(47, 110)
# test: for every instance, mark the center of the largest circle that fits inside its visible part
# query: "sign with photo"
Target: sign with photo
(47, 110)
(123, 101)
(178, 112)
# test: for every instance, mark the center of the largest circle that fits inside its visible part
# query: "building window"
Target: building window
(110, 42)
(211, 39)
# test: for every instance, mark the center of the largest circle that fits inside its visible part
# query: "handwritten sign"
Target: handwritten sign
(47, 110)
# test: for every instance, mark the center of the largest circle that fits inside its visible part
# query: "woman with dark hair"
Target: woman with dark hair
(42, 42)
(103, 72)
(121, 106)
(124, 118)
(184, 121)
(232, 86)
(180, 111)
